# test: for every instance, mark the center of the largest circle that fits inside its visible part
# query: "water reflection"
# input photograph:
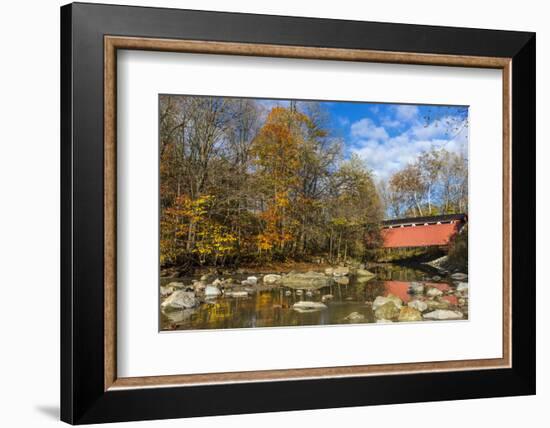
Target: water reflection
(273, 307)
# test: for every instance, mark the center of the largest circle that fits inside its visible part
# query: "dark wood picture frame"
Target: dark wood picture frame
(90, 37)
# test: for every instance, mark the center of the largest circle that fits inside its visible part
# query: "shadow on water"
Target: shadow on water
(273, 307)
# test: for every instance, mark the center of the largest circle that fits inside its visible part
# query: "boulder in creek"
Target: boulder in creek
(381, 300)
(355, 316)
(165, 291)
(434, 292)
(212, 291)
(416, 288)
(388, 311)
(459, 276)
(341, 280)
(341, 271)
(436, 304)
(179, 300)
(442, 314)
(329, 271)
(308, 280)
(462, 287)
(236, 294)
(176, 285)
(305, 306)
(408, 313)
(327, 297)
(419, 305)
(272, 278)
(253, 280)
(436, 278)
(199, 285)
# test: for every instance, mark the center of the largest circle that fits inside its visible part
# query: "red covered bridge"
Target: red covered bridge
(422, 231)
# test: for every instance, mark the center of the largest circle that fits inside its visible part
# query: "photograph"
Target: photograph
(291, 212)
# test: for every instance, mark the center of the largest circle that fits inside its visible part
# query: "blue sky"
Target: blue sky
(389, 136)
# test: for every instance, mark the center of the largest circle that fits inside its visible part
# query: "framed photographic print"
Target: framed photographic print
(266, 213)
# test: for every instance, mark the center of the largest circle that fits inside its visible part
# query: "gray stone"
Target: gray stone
(434, 292)
(341, 271)
(355, 316)
(308, 280)
(381, 300)
(442, 314)
(388, 311)
(236, 294)
(305, 306)
(408, 313)
(212, 291)
(272, 278)
(419, 305)
(462, 287)
(252, 280)
(327, 297)
(417, 288)
(459, 276)
(179, 300)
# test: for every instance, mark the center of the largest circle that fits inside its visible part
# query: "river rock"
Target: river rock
(252, 280)
(217, 282)
(462, 287)
(355, 316)
(442, 314)
(341, 280)
(176, 285)
(305, 306)
(329, 271)
(459, 276)
(179, 300)
(434, 292)
(212, 291)
(341, 271)
(436, 304)
(327, 297)
(436, 278)
(236, 294)
(306, 280)
(288, 293)
(419, 305)
(387, 311)
(416, 288)
(165, 290)
(272, 278)
(381, 300)
(408, 313)
(198, 286)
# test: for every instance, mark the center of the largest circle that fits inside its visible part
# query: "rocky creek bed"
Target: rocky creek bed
(333, 295)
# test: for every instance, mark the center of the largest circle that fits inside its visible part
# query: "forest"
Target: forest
(244, 183)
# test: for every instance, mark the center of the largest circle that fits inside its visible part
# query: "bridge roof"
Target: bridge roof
(425, 219)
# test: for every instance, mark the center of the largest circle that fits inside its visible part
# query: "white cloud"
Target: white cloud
(386, 156)
(406, 112)
(365, 128)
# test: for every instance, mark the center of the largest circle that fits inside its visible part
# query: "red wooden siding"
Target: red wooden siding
(420, 235)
